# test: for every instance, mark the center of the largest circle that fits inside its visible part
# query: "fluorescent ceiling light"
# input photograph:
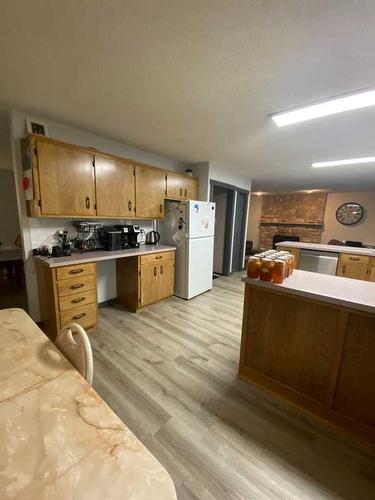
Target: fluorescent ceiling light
(349, 161)
(331, 107)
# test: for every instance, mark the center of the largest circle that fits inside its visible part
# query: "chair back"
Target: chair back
(74, 343)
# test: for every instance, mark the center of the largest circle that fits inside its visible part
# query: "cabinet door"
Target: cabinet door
(115, 190)
(355, 270)
(150, 189)
(191, 188)
(371, 276)
(149, 284)
(166, 279)
(181, 187)
(66, 180)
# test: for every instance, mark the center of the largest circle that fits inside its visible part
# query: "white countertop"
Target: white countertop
(346, 292)
(96, 256)
(328, 248)
(10, 252)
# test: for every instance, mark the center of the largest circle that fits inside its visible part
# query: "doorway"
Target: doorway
(12, 281)
(221, 196)
(238, 258)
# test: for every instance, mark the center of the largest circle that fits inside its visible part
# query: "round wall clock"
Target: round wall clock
(349, 213)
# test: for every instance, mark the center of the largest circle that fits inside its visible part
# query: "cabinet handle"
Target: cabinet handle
(76, 271)
(130, 206)
(161, 269)
(87, 202)
(74, 287)
(185, 193)
(180, 191)
(78, 316)
(75, 301)
(355, 259)
(155, 271)
(158, 257)
(344, 269)
(161, 208)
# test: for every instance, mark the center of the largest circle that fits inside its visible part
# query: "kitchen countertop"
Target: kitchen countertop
(328, 248)
(99, 255)
(59, 439)
(355, 294)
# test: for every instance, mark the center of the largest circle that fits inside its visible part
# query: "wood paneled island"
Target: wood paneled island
(311, 340)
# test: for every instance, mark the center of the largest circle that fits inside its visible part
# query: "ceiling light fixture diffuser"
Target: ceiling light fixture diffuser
(329, 107)
(349, 161)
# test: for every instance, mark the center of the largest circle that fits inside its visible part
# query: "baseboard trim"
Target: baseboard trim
(106, 303)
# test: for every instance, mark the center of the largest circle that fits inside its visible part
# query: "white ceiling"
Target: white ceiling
(195, 79)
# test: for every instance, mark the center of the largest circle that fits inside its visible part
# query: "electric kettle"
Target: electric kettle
(152, 238)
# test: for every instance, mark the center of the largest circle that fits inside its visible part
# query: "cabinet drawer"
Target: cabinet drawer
(75, 285)
(156, 257)
(346, 257)
(77, 300)
(66, 272)
(84, 316)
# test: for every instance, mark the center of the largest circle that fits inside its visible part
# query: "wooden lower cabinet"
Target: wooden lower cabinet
(318, 356)
(144, 280)
(353, 266)
(67, 294)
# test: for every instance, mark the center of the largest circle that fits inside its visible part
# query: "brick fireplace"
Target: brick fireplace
(295, 214)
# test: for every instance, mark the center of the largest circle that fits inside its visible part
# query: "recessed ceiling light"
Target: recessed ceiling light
(349, 161)
(329, 107)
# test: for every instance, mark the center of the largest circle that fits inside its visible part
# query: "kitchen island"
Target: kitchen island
(311, 340)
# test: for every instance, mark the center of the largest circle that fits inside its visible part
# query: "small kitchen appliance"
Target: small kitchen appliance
(111, 239)
(152, 238)
(129, 235)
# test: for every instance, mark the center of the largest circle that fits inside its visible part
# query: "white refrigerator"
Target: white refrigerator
(190, 227)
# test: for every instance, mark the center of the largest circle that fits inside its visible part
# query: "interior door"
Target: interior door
(66, 180)
(150, 191)
(239, 232)
(149, 284)
(115, 187)
(166, 279)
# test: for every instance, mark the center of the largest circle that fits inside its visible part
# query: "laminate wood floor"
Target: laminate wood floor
(170, 372)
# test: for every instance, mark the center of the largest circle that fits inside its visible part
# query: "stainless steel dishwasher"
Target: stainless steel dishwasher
(317, 261)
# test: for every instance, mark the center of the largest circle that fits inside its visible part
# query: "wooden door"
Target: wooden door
(166, 279)
(115, 190)
(355, 270)
(150, 190)
(149, 286)
(66, 180)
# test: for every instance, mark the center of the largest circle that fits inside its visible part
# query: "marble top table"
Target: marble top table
(58, 439)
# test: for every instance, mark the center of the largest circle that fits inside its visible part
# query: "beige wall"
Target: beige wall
(363, 231)
(255, 214)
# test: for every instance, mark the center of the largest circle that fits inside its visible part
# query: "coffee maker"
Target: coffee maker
(130, 235)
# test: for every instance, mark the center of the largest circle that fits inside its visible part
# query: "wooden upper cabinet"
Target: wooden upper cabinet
(181, 187)
(115, 187)
(66, 180)
(150, 189)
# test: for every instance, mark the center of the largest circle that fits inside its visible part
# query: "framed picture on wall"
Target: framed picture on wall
(36, 126)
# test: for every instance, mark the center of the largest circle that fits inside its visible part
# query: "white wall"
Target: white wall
(201, 171)
(34, 231)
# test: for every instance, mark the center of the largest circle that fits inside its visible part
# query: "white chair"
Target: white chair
(74, 343)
